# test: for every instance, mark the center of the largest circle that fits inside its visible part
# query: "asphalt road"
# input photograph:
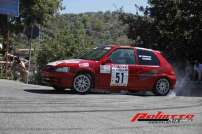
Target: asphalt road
(29, 109)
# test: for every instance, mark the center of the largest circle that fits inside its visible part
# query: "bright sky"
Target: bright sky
(81, 6)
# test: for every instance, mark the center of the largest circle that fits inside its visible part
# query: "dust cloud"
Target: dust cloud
(186, 86)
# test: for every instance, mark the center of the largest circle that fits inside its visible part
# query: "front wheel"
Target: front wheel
(82, 83)
(162, 87)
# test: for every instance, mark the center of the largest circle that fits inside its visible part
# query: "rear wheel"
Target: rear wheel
(162, 87)
(82, 83)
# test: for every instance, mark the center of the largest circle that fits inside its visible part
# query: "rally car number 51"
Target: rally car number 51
(119, 75)
(112, 67)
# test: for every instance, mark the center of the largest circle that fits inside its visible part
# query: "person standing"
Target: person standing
(200, 70)
(197, 70)
(21, 69)
(18, 66)
(188, 70)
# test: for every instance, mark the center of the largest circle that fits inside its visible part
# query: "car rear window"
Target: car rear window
(146, 57)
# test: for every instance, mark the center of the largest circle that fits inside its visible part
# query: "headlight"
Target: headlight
(62, 69)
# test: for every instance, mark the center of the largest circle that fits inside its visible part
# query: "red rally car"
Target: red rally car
(113, 67)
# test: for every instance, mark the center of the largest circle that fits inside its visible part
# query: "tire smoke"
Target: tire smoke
(186, 86)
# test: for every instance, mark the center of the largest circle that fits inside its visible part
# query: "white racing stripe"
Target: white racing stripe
(64, 61)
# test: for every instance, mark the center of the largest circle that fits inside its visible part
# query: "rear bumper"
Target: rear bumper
(172, 79)
(57, 79)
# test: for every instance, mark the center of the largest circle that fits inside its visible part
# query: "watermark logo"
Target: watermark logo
(161, 117)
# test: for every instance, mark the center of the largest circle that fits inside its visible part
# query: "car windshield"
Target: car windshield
(95, 54)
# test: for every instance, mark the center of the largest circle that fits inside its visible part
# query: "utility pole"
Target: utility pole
(30, 51)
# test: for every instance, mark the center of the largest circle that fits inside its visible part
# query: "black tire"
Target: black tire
(162, 87)
(59, 88)
(82, 83)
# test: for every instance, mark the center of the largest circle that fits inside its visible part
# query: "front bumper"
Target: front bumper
(57, 79)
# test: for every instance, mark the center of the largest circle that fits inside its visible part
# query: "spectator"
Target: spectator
(18, 66)
(200, 70)
(197, 70)
(188, 70)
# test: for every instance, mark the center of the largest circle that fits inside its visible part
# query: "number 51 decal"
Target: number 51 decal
(119, 76)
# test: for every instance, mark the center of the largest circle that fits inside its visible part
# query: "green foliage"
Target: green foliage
(31, 12)
(179, 24)
(69, 35)
(141, 29)
(172, 26)
(76, 33)
(34, 11)
(101, 28)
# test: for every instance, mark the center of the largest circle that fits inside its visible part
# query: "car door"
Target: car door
(146, 69)
(116, 74)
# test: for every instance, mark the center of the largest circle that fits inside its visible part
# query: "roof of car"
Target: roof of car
(127, 46)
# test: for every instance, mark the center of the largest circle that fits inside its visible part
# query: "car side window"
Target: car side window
(123, 56)
(146, 57)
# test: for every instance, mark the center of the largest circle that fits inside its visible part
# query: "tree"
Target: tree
(179, 24)
(38, 11)
(172, 26)
(31, 11)
(67, 35)
(141, 29)
(73, 34)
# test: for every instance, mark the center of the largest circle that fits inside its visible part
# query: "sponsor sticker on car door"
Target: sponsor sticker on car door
(105, 69)
(119, 75)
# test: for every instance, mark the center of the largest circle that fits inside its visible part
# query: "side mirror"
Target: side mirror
(108, 61)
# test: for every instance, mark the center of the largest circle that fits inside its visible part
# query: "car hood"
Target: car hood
(80, 62)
